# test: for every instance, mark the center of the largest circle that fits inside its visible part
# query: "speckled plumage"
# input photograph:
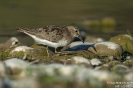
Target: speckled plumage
(54, 36)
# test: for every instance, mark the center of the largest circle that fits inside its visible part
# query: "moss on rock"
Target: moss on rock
(4, 53)
(40, 53)
(126, 41)
(71, 54)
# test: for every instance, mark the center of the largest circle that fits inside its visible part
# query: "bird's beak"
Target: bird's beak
(80, 38)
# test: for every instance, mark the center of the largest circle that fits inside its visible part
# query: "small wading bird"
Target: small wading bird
(53, 36)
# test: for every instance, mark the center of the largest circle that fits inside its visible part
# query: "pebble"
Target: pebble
(79, 59)
(95, 62)
(16, 66)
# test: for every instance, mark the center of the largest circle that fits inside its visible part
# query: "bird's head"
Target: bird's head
(74, 31)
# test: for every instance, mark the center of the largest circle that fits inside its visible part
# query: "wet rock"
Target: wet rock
(126, 41)
(107, 49)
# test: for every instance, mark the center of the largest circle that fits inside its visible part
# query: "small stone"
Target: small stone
(21, 48)
(128, 57)
(15, 66)
(80, 60)
(95, 62)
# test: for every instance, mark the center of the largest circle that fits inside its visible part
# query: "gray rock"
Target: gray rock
(107, 49)
(16, 66)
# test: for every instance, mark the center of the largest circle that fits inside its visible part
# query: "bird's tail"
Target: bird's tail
(21, 29)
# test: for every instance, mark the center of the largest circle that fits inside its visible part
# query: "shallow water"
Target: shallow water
(41, 13)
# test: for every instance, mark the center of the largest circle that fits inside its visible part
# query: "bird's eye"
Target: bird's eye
(16, 43)
(76, 31)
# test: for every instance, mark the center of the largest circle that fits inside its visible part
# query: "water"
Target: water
(33, 14)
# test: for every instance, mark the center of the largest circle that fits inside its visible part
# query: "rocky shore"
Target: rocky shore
(107, 65)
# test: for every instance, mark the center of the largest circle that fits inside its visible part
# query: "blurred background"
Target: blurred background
(101, 18)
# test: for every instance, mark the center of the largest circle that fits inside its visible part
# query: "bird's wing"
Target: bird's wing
(51, 33)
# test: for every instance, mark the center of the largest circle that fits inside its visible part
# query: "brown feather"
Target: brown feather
(51, 33)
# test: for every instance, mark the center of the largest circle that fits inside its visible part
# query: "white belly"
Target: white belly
(61, 43)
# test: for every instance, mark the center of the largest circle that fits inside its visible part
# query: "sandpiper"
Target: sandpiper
(53, 36)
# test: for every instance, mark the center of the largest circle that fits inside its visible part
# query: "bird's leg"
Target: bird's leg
(56, 52)
(62, 52)
(25, 56)
(47, 51)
